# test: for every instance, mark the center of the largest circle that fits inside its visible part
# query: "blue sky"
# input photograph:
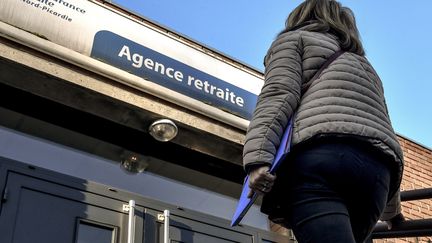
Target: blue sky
(396, 35)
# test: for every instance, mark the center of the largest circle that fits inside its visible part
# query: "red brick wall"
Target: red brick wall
(417, 175)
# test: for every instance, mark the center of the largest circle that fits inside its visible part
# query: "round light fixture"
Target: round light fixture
(133, 164)
(163, 130)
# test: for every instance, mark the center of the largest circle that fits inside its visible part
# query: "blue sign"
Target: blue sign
(170, 73)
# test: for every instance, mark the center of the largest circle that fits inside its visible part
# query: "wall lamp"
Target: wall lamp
(163, 130)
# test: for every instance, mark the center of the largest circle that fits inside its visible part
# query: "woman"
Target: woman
(345, 161)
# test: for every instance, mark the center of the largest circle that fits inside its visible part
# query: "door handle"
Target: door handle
(166, 218)
(166, 226)
(131, 221)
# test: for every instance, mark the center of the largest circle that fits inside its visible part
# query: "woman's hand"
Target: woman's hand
(260, 180)
(395, 221)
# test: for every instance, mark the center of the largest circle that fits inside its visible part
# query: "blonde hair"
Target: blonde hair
(330, 16)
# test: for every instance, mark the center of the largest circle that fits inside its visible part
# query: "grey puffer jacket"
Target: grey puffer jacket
(346, 100)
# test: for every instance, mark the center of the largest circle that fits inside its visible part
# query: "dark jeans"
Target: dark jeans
(335, 193)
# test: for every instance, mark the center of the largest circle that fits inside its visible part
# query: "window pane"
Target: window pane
(90, 233)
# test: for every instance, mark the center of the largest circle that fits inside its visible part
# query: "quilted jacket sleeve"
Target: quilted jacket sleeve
(278, 99)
